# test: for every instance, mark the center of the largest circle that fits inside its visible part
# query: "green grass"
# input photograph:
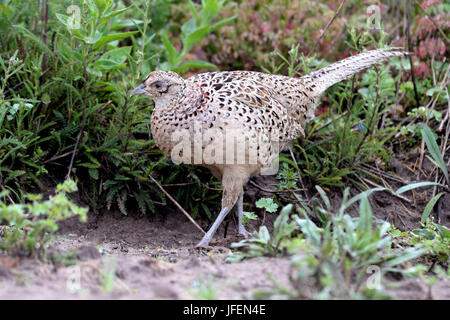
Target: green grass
(330, 258)
(65, 109)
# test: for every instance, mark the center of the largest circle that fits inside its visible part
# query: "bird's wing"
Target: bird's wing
(239, 103)
(245, 98)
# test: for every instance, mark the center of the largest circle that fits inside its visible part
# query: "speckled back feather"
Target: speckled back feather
(259, 104)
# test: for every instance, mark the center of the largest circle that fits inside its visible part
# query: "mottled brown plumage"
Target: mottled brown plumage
(266, 111)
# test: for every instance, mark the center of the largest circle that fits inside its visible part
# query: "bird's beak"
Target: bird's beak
(138, 90)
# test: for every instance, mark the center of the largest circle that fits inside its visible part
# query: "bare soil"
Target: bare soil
(149, 258)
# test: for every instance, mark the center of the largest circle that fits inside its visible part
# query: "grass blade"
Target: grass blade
(417, 185)
(434, 150)
(429, 207)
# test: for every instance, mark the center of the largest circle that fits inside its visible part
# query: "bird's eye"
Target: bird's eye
(160, 86)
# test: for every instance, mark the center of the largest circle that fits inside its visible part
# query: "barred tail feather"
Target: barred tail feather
(324, 78)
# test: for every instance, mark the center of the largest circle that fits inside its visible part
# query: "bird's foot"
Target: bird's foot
(204, 248)
(204, 243)
(244, 232)
(214, 249)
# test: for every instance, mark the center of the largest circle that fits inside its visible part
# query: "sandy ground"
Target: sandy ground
(135, 258)
(149, 260)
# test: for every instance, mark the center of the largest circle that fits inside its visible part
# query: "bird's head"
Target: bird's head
(160, 85)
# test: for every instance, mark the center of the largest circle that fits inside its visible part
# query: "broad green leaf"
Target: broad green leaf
(112, 37)
(248, 216)
(264, 234)
(62, 18)
(93, 173)
(267, 204)
(92, 8)
(68, 54)
(113, 59)
(432, 91)
(94, 71)
(281, 220)
(209, 11)
(194, 37)
(93, 39)
(188, 27)
(108, 65)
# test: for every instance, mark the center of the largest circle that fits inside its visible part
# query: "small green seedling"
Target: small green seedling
(267, 204)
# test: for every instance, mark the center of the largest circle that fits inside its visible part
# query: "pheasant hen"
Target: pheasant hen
(236, 122)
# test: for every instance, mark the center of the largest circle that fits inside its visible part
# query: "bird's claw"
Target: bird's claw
(244, 233)
(204, 243)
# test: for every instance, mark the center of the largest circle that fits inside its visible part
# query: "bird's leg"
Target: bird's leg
(232, 180)
(240, 208)
(208, 236)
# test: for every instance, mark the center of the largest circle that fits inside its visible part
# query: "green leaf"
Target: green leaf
(126, 23)
(417, 185)
(432, 91)
(445, 233)
(210, 10)
(429, 207)
(196, 64)
(95, 72)
(118, 55)
(113, 59)
(188, 27)
(62, 18)
(89, 165)
(425, 233)
(248, 216)
(194, 37)
(222, 22)
(264, 234)
(362, 195)
(173, 53)
(409, 254)
(433, 148)
(93, 173)
(365, 221)
(193, 11)
(268, 204)
(324, 197)
(112, 37)
(310, 230)
(115, 13)
(94, 38)
(207, 211)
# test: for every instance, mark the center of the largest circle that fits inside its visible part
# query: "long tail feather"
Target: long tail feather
(324, 78)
